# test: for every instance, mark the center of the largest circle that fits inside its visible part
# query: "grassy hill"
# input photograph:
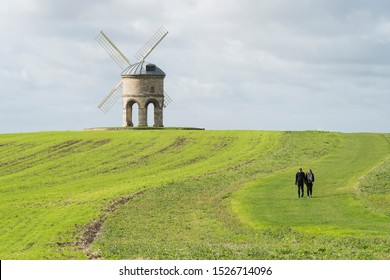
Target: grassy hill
(181, 194)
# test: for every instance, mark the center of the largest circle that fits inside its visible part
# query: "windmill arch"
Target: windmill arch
(157, 111)
(129, 112)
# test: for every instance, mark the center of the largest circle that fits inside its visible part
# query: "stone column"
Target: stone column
(158, 117)
(142, 116)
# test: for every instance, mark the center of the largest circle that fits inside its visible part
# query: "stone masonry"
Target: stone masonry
(143, 84)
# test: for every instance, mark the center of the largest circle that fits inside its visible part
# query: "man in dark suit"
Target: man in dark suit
(299, 181)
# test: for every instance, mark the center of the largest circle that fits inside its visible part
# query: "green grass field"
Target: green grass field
(183, 194)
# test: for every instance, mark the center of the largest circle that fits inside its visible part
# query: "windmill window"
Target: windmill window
(150, 67)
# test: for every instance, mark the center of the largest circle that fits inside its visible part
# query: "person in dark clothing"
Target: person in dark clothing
(309, 179)
(299, 181)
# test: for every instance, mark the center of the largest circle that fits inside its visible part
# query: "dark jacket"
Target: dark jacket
(300, 178)
(307, 179)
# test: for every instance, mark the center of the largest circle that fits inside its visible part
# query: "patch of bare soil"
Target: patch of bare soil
(91, 231)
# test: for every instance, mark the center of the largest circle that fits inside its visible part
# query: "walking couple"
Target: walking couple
(302, 178)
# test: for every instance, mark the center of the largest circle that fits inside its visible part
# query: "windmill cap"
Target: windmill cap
(143, 68)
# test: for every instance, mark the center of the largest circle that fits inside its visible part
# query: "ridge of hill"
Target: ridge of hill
(166, 194)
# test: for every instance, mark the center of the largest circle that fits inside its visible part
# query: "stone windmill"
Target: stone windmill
(142, 83)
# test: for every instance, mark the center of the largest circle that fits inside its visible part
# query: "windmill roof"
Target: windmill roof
(143, 68)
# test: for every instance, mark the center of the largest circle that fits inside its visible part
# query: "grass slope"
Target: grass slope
(333, 209)
(192, 194)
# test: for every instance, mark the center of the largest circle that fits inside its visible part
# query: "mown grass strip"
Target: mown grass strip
(333, 208)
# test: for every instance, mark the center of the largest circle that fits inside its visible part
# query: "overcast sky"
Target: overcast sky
(248, 64)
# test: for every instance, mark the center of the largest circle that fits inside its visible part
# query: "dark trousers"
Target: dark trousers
(309, 189)
(300, 189)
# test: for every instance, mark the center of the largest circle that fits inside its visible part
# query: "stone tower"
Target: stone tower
(143, 84)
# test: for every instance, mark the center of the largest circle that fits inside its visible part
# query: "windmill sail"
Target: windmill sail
(112, 50)
(151, 44)
(167, 100)
(111, 98)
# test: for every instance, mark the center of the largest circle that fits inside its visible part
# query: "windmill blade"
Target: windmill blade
(112, 50)
(151, 44)
(111, 98)
(167, 100)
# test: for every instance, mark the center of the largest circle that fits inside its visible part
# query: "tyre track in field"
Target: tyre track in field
(92, 230)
